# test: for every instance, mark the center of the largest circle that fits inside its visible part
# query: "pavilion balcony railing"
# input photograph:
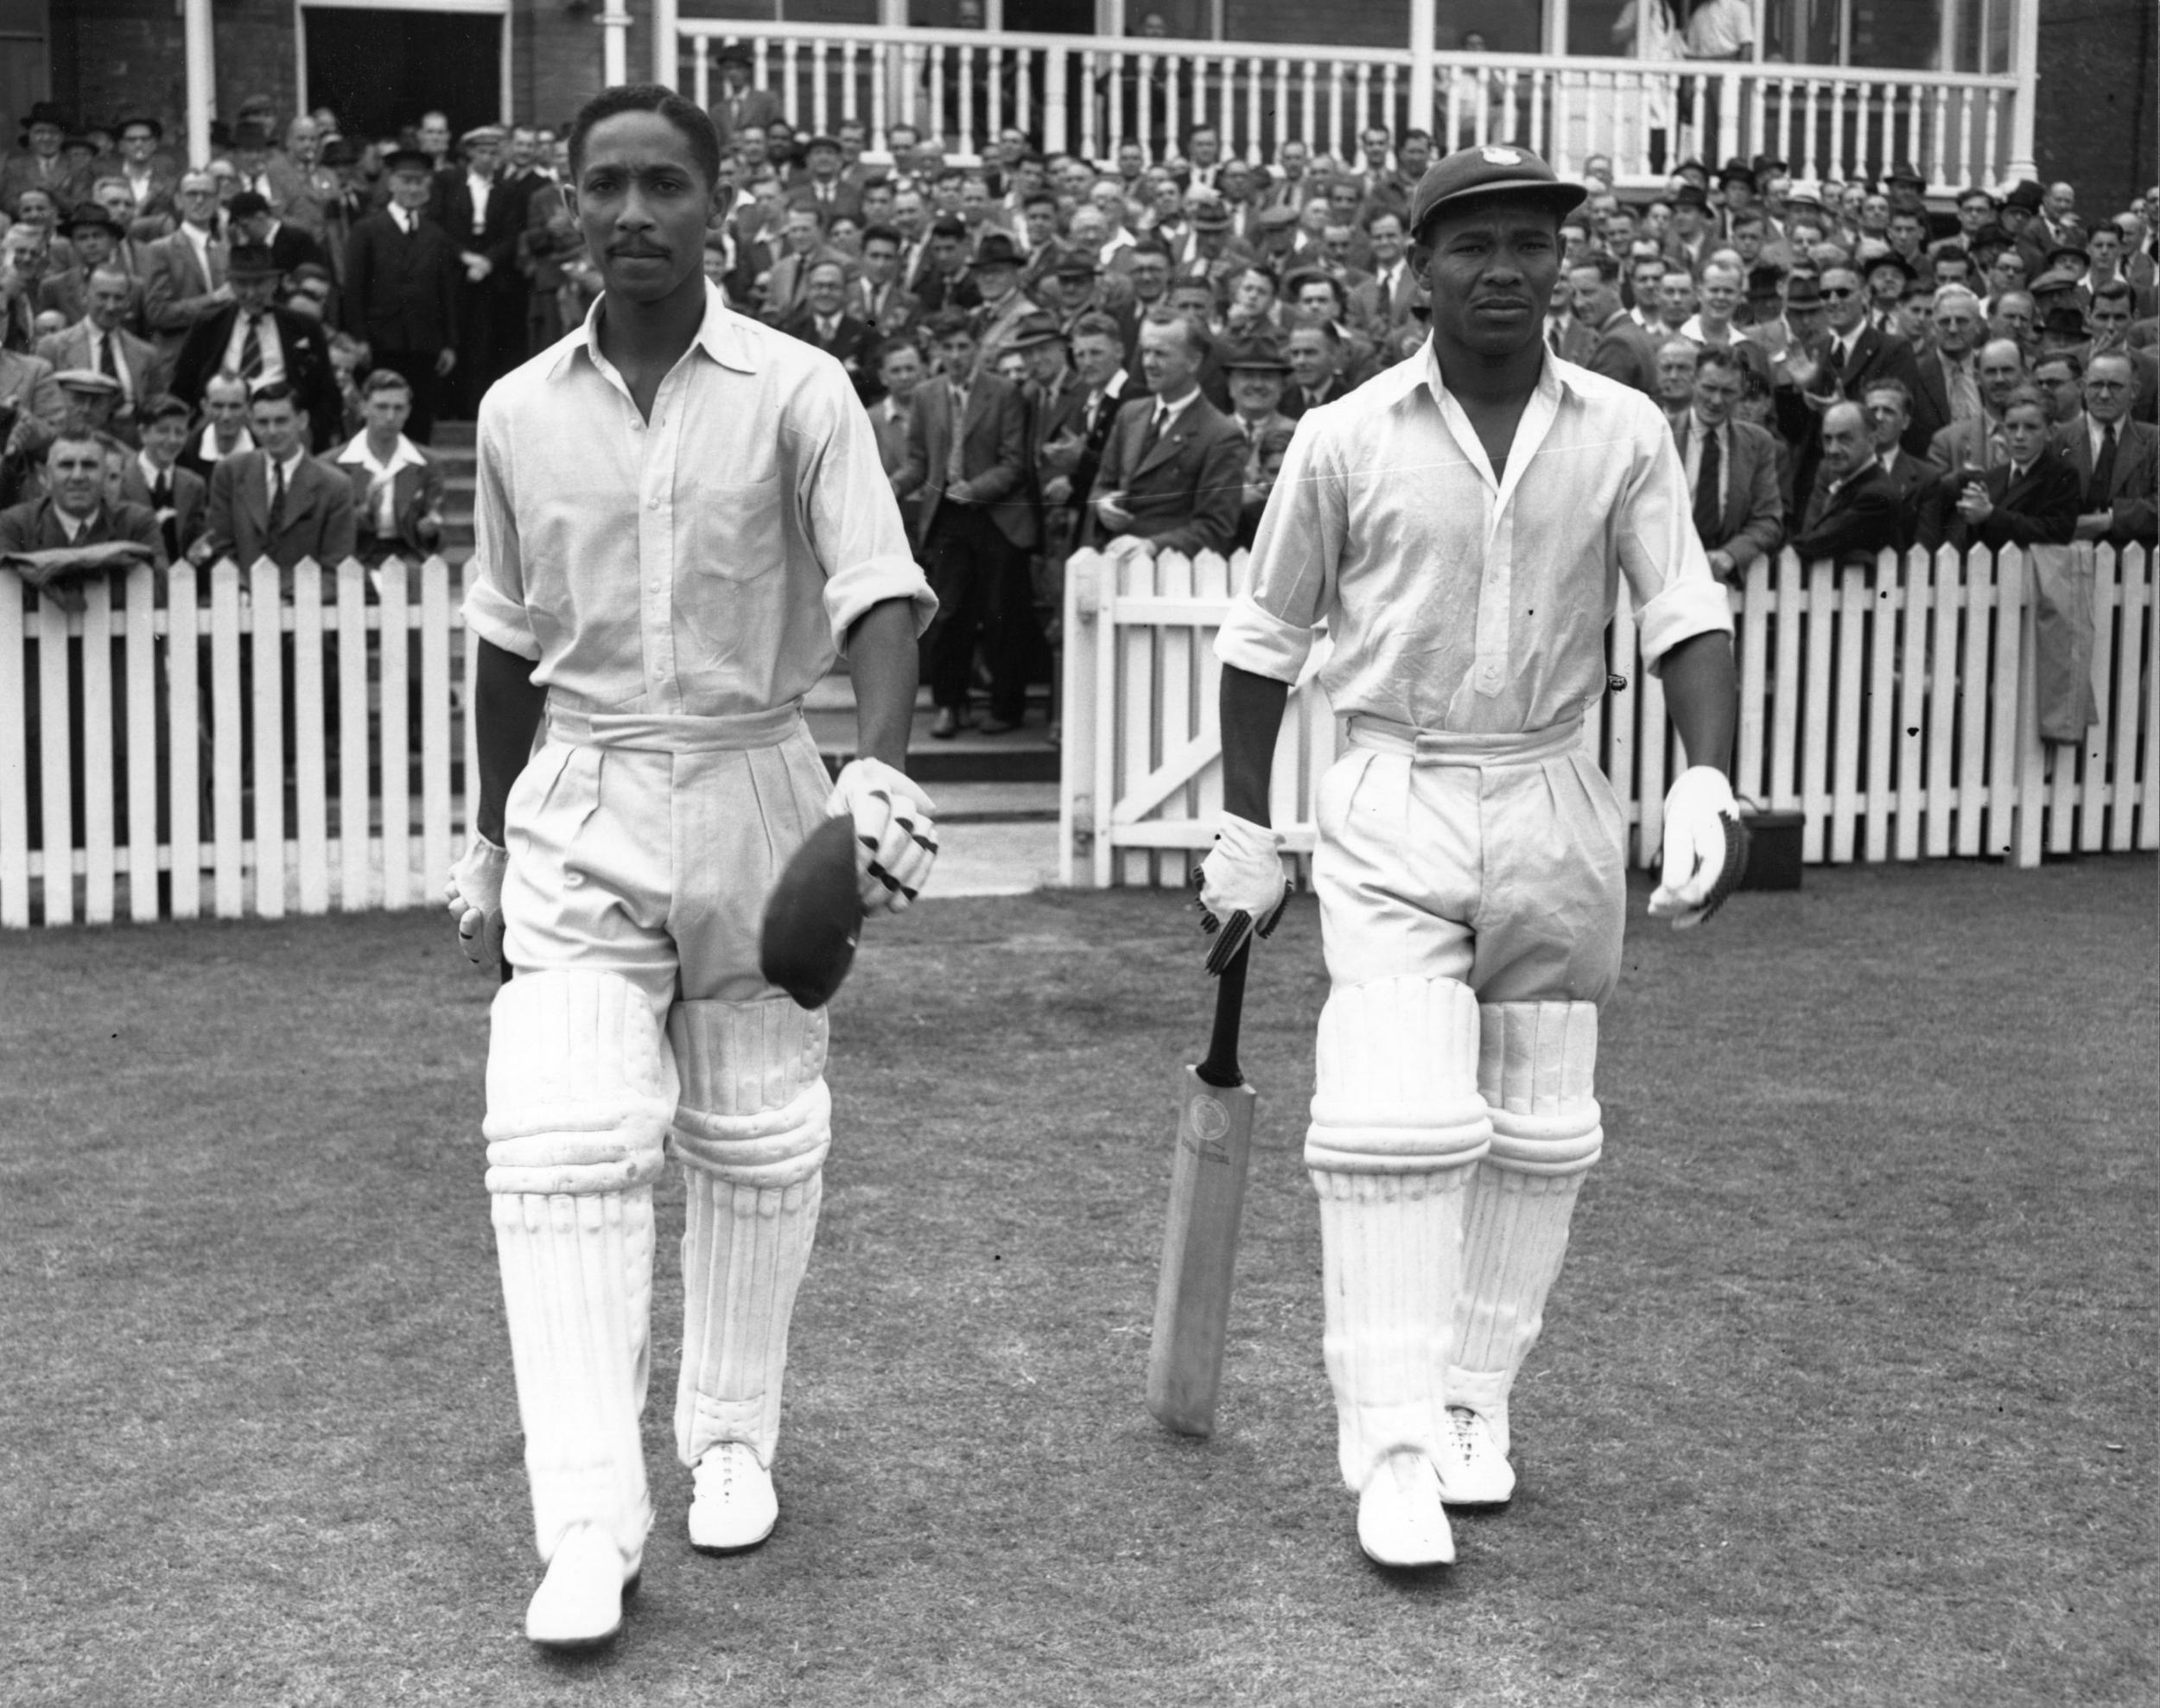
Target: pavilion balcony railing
(1087, 95)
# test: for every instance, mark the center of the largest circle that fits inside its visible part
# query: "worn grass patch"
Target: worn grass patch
(1847, 1394)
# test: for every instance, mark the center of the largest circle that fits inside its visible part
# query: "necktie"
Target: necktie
(252, 349)
(956, 470)
(278, 498)
(1708, 469)
(2103, 480)
(1156, 422)
(168, 520)
(106, 365)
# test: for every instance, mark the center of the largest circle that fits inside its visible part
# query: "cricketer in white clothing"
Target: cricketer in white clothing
(1461, 522)
(681, 517)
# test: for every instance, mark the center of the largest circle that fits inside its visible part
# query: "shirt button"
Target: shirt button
(653, 503)
(571, 879)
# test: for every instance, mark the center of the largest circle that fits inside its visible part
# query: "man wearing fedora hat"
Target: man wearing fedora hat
(1460, 524)
(250, 336)
(1257, 372)
(737, 107)
(254, 220)
(401, 276)
(95, 238)
(149, 173)
(996, 271)
(41, 164)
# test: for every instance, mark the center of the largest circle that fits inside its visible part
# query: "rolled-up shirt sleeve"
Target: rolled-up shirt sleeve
(495, 603)
(851, 517)
(1269, 630)
(1676, 594)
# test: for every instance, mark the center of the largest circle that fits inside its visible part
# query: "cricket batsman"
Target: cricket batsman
(681, 517)
(1460, 523)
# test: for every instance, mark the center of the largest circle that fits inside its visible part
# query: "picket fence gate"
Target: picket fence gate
(158, 725)
(1893, 706)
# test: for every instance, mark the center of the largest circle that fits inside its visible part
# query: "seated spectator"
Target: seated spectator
(1977, 441)
(1919, 482)
(278, 502)
(74, 516)
(1171, 472)
(398, 488)
(1257, 372)
(1676, 382)
(101, 343)
(2116, 461)
(1732, 469)
(1852, 514)
(225, 432)
(179, 498)
(2029, 497)
(1315, 351)
(823, 321)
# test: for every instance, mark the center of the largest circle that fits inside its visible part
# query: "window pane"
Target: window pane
(1369, 24)
(1608, 27)
(1801, 32)
(1897, 34)
(1498, 27)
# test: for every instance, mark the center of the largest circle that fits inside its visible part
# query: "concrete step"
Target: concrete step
(1023, 756)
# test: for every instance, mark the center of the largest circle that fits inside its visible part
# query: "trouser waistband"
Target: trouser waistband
(571, 721)
(1450, 748)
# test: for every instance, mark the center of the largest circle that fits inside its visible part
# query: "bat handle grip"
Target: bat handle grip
(1220, 1069)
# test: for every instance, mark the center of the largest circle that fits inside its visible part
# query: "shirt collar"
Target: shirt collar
(726, 336)
(407, 455)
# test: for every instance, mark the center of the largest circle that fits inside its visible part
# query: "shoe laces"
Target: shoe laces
(1470, 1435)
(715, 1472)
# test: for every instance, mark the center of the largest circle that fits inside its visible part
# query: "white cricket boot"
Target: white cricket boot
(1400, 1521)
(1475, 1472)
(579, 1603)
(735, 1508)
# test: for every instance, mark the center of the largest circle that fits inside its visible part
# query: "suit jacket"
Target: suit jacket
(1267, 443)
(35, 526)
(400, 291)
(1968, 444)
(176, 292)
(1919, 484)
(888, 312)
(1367, 310)
(993, 454)
(785, 279)
(1122, 387)
(291, 246)
(414, 494)
(1625, 352)
(497, 236)
(307, 350)
(935, 292)
(1186, 493)
(1931, 401)
(755, 109)
(2131, 495)
(1855, 523)
(190, 505)
(70, 349)
(1752, 519)
(2037, 508)
(318, 519)
(846, 199)
(69, 292)
(301, 195)
(890, 421)
(850, 346)
(1295, 402)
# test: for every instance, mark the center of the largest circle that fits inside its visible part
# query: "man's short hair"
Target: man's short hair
(809, 209)
(1718, 356)
(1895, 387)
(2115, 290)
(2024, 393)
(2069, 359)
(79, 435)
(1318, 323)
(224, 377)
(385, 379)
(1373, 215)
(1098, 325)
(273, 391)
(821, 263)
(165, 407)
(880, 234)
(888, 347)
(1153, 246)
(1197, 339)
(948, 322)
(950, 227)
(686, 117)
(1603, 260)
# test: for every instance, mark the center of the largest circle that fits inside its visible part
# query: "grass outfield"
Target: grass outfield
(1846, 1395)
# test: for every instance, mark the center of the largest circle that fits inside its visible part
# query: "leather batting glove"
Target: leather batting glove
(1242, 881)
(475, 897)
(1705, 847)
(896, 839)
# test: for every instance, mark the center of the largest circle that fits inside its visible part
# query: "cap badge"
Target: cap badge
(1500, 156)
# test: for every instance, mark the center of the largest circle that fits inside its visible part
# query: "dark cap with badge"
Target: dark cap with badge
(1489, 171)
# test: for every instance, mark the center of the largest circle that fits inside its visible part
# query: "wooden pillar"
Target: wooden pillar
(202, 80)
(2024, 68)
(1422, 24)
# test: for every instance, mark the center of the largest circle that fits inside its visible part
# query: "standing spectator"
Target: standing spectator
(401, 289)
(149, 174)
(276, 501)
(344, 210)
(301, 185)
(823, 321)
(739, 108)
(1732, 470)
(1171, 478)
(101, 342)
(2116, 460)
(945, 281)
(251, 221)
(484, 224)
(1057, 399)
(1257, 373)
(179, 498)
(899, 367)
(996, 272)
(1948, 388)
(967, 457)
(802, 243)
(1676, 382)
(1381, 304)
(23, 253)
(1098, 358)
(1978, 443)
(1852, 513)
(1918, 481)
(95, 236)
(877, 298)
(821, 186)
(1624, 351)
(41, 164)
(225, 433)
(1314, 351)
(396, 487)
(186, 282)
(263, 345)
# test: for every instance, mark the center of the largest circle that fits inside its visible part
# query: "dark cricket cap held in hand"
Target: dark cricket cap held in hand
(1490, 170)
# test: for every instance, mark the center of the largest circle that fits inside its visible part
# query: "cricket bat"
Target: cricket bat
(1207, 1199)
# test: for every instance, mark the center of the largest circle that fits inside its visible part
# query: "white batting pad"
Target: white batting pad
(1537, 1067)
(1397, 1127)
(580, 1089)
(752, 1129)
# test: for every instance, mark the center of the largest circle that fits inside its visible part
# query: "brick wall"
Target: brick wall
(555, 59)
(112, 57)
(2095, 114)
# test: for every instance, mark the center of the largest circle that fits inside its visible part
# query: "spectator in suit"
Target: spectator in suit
(899, 368)
(967, 457)
(1731, 471)
(483, 222)
(1852, 514)
(301, 187)
(1676, 382)
(802, 241)
(2116, 460)
(265, 345)
(1624, 351)
(1918, 482)
(95, 236)
(1257, 374)
(149, 174)
(225, 432)
(738, 108)
(1382, 303)
(276, 501)
(186, 282)
(877, 298)
(945, 281)
(823, 321)
(1315, 350)
(1977, 442)
(401, 276)
(1098, 359)
(1057, 398)
(821, 186)
(996, 271)
(40, 162)
(252, 221)
(1172, 477)
(2030, 496)
(74, 511)
(396, 487)
(179, 498)
(2109, 320)
(100, 342)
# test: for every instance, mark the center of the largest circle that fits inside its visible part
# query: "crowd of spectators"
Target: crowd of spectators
(1054, 351)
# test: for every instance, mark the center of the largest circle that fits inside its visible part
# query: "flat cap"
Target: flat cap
(2055, 278)
(88, 380)
(1492, 169)
(1261, 352)
(1033, 329)
(2025, 194)
(407, 160)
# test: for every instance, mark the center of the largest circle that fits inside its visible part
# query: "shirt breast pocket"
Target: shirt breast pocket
(738, 528)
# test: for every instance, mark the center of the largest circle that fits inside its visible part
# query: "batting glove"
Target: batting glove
(1705, 847)
(896, 840)
(1241, 883)
(475, 897)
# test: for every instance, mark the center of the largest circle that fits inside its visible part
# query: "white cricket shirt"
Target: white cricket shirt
(707, 562)
(1461, 601)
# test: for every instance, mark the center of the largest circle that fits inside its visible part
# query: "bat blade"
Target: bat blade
(1199, 1258)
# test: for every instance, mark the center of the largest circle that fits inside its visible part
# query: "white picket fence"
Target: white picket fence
(1893, 707)
(132, 712)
